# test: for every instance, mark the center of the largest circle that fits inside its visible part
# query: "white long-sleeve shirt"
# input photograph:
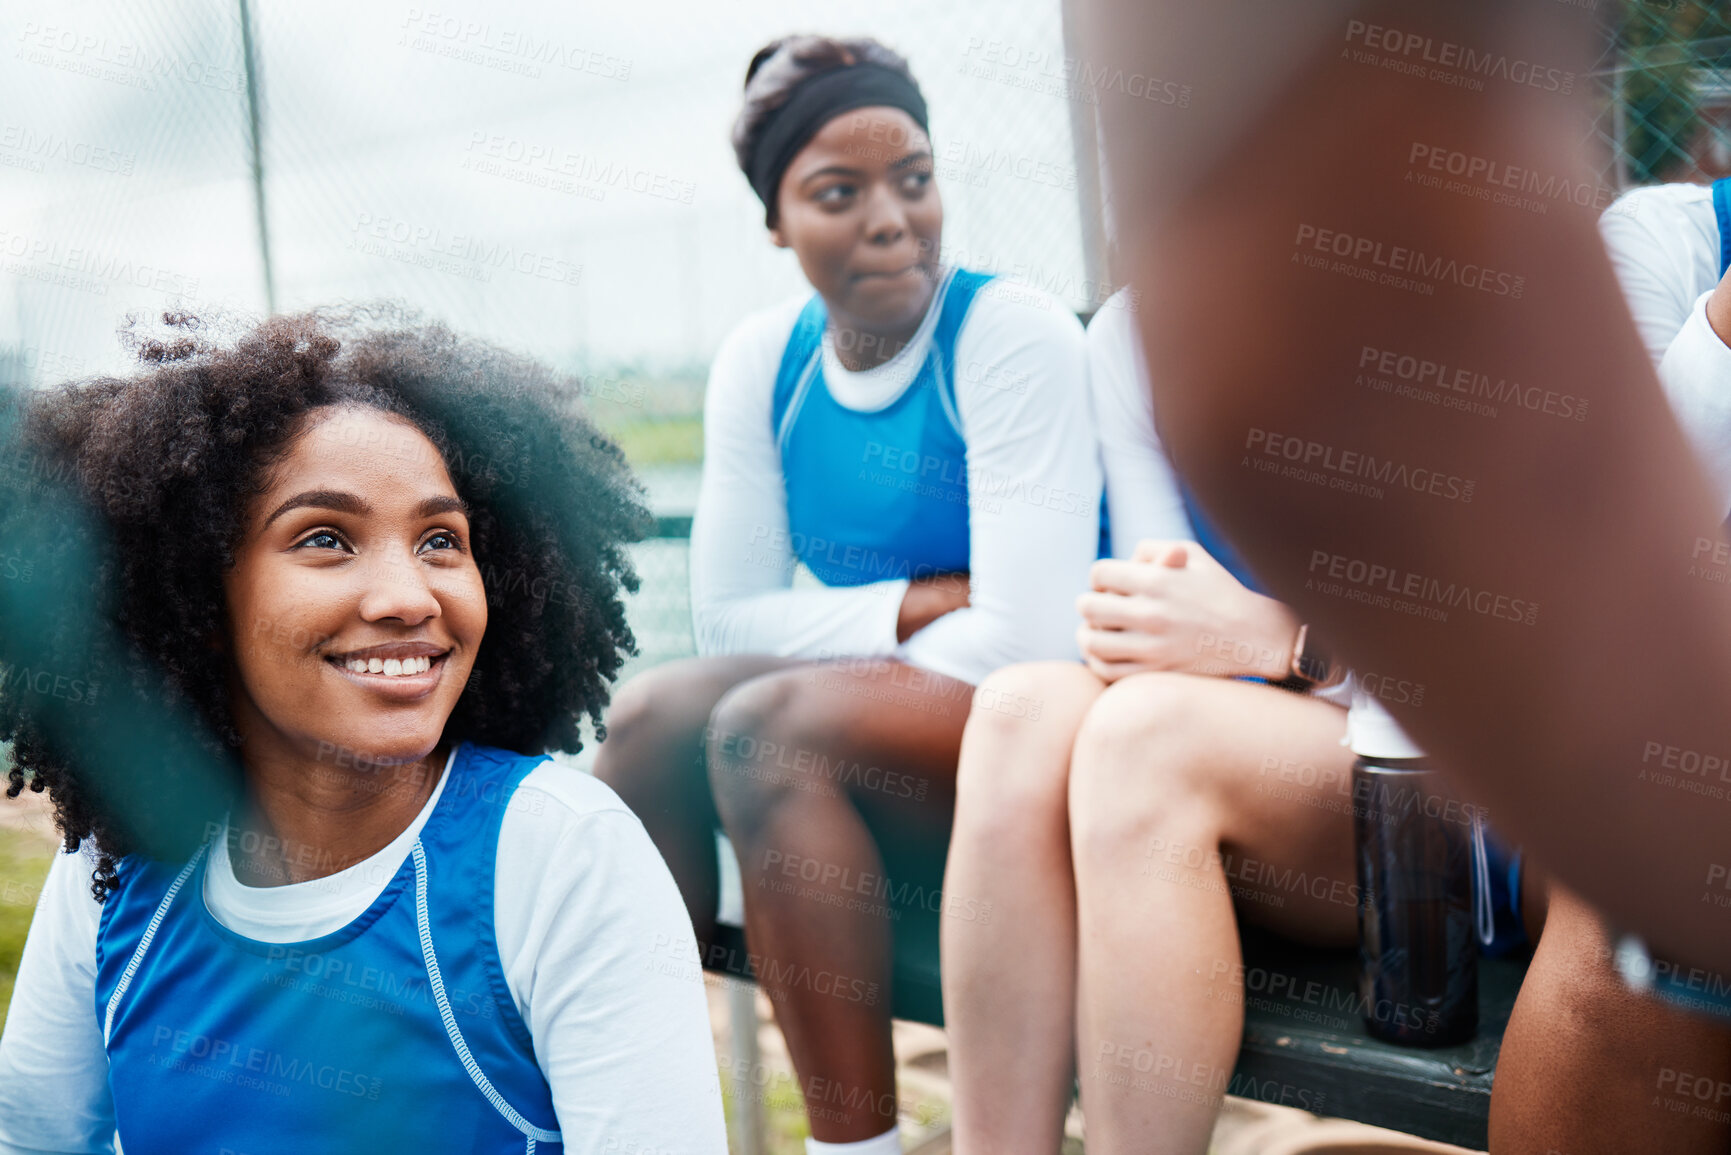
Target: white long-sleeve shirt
(1143, 500)
(1142, 495)
(1664, 244)
(597, 950)
(1033, 481)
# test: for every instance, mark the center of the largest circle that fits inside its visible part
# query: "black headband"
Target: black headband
(815, 103)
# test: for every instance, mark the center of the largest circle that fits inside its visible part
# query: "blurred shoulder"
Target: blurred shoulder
(1679, 213)
(1114, 323)
(1016, 313)
(568, 794)
(565, 831)
(761, 335)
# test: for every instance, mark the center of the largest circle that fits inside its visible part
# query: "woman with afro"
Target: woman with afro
(377, 568)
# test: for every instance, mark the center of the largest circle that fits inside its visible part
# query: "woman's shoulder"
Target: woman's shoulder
(563, 827)
(1683, 197)
(1114, 322)
(1012, 310)
(742, 372)
(1677, 214)
(763, 333)
(67, 913)
(572, 793)
(551, 779)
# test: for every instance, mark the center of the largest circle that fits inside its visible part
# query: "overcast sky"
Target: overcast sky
(555, 176)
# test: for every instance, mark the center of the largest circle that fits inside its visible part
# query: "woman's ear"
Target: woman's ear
(776, 238)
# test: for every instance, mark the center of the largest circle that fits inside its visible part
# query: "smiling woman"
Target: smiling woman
(412, 930)
(368, 558)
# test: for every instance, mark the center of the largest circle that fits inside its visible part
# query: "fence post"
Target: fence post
(1085, 148)
(249, 55)
(748, 1132)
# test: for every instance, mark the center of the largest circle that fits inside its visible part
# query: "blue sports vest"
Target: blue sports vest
(1200, 528)
(880, 495)
(1722, 210)
(395, 1033)
(1210, 539)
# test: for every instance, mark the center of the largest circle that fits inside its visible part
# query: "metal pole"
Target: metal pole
(247, 51)
(748, 1130)
(1620, 126)
(1085, 147)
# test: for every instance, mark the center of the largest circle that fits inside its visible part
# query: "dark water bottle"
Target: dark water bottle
(1417, 943)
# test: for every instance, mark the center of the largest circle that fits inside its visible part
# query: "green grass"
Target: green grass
(659, 440)
(24, 860)
(784, 1120)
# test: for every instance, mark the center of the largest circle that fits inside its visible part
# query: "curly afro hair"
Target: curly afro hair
(164, 463)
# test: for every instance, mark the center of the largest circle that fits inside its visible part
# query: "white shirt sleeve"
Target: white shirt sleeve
(1142, 494)
(599, 955)
(1696, 373)
(1033, 487)
(1143, 500)
(53, 1067)
(742, 558)
(1664, 244)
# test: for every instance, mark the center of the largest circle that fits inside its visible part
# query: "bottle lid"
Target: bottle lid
(1373, 733)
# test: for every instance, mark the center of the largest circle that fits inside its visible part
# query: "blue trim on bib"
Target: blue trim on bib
(1722, 212)
(881, 495)
(1211, 540)
(395, 1032)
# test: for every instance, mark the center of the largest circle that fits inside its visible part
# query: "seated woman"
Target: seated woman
(411, 931)
(921, 442)
(1588, 1065)
(1159, 790)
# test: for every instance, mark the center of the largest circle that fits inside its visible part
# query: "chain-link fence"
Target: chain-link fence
(1666, 90)
(558, 178)
(553, 177)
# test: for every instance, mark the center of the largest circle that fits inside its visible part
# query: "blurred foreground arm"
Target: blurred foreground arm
(1518, 522)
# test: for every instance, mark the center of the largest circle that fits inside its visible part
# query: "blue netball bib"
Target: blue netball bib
(881, 495)
(395, 1033)
(1202, 531)
(1211, 540)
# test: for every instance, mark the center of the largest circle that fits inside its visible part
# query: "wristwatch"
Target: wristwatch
(1706, 993)
(1313, 668)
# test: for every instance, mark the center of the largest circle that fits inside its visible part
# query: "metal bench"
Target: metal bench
(1304, 1039)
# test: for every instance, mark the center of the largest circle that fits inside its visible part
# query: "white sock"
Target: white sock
(889, 1143)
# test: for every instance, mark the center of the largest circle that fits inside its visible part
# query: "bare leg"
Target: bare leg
(1010, 981)
(1589, 1067)
(1185, 794)
(653, 759)
(836, 783)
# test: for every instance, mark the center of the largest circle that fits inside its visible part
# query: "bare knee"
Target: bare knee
(1013, 775)
(654, 717)
(1139, 773)
(670, 696)
(755, 754)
